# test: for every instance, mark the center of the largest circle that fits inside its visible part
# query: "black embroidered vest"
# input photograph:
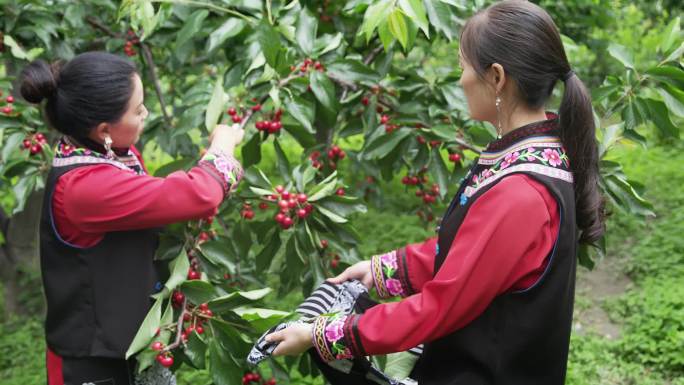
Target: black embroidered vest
(97, 297)
(523, 336)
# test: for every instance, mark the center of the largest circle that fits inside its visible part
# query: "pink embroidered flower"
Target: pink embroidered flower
(552, 157)
(389, 260)
(334, 330)
(530, 153)
(344, 354)
(487, 173)
(394, 286)
(223, 166)
(66, 149)
(476, 179)
(510, 158)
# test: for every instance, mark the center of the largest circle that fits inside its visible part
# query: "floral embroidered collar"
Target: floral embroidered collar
(68, 152)
(541, 127)
(534, 148)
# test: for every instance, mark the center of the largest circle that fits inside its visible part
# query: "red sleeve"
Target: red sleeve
(92, 200)
(505, 239)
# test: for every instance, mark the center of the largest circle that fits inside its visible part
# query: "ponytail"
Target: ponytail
(578, 134)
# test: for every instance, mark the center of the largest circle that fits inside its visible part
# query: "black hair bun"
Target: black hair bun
(38, 81)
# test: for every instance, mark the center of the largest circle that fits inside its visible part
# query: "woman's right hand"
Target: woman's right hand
(224, 138)
(360, 271)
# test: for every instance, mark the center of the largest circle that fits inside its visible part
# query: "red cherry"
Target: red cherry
(331, 154)
(308, 62)
(178, 297)
(157, 346)
(302, 198)
(193, 274)
(324, 243)
(286, 195)
(231, 111)
(36, 148)
(455, 158)
(309, 209)
(318, 66)
(435, 143)
(256, 107)
(365, 101)
(275, 126)
(187, 317)
(209, 220)
(279, 189)
(279, 217)
(248, 214)
(278, 114)
(414, 180)
(7, 110)
(302, 213)
(342, 154)
(421, 140)
(164, 360)
(10, 99)
(259, 125)
(263, 205)
(292, 203)
(340, 191)
(334, 263)
(336, 150)
(315, 155)
(199, 329)
(204, 236)
(287, 222)
(208, 313)
(272, 381)
(405, 180)
(419, 193)
(384, 119)
(283, 204)
(26, 143)
(237, 119)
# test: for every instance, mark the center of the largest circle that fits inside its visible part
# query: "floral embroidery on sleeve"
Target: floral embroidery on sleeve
(386, 271)
(329, 337)
(225, 166)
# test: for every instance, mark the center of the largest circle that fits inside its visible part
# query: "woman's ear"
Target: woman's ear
(498, 77)
(100, 131)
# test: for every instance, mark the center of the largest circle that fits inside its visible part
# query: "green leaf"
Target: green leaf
(439, 171)
(265, 256)
(12, 145)
(224, 369)
(147, 330)
(261, 319)
(382, 145)
(219, 253)
(216, 104)
(179, 270)
(415, 10)
(198, 291)
(375, 14)
(400, 365)
(22, 191)
(196, 350)
(173, 166)
(283, 162)
(16, 50)
(307, 26)
(269, 39)
(660, 117)
(670, 35)
(667, 73)
(352, 71)
(676, 54)
(251, 151)
(302, 110)
(331, 215)
(237, 299)
(228, 337)
(192, 25)
(232, 27)
(324, 187)
(324, 90)
(674, 99)
(622, 54)
(398, 28)
(327, 43)
(442, 17)
(385, 35)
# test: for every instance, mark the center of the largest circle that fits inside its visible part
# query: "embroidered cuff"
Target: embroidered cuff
(390, 275)
(225, 166)
(336, 337)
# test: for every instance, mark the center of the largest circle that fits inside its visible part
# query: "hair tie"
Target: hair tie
(568, 75)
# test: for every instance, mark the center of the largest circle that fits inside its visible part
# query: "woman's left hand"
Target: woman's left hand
(293, 340)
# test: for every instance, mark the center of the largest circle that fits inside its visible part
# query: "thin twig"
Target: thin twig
(374, 53)
(210, 6)
(98, 25)
(155, 80)
(179, 329)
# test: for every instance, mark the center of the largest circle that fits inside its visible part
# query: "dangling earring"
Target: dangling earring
(499, 130)
(108, 147)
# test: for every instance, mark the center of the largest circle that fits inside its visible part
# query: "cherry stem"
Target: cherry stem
(179, 328)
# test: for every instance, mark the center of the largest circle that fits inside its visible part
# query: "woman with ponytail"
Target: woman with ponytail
(491, 297)
(101, 212)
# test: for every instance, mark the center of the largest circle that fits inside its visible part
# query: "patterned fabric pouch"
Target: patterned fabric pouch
(346, 298)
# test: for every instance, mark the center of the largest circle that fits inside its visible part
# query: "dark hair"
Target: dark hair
(92, 88)
(524, 40)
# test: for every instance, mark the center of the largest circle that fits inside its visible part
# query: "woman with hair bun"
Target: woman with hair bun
(491, 296)
(101, 211)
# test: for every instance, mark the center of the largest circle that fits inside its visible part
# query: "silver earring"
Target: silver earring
(108, 147)
(499, 130)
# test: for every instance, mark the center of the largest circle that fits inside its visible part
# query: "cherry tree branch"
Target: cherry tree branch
(179, 328)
